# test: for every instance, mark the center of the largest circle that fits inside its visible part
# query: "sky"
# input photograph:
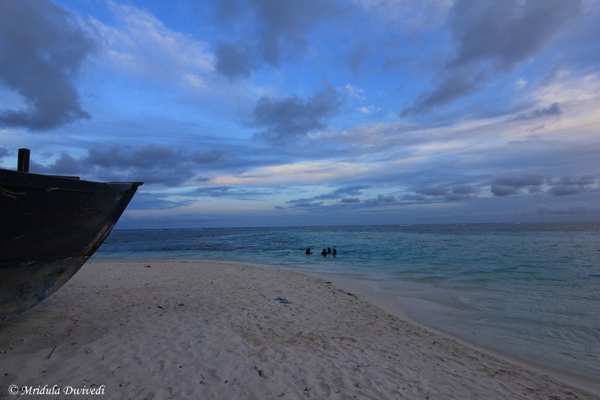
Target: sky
(311, 112)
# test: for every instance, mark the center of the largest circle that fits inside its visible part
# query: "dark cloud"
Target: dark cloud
(213, 191)
(305, 204)
(234, 60)
(3, 152)
(455, 85)
(228, 191)
(455, 193)
(271, 30)
(41, 50)
(432, 191)
(151, 156)
(571, 185)
(455, 197)
(554, 109)
(566, 190)
(413, 197)
(336, 194)
(381, 199)
(564, 186)
(550, 111)
(282, 25)
(464, 189)
(151, 163)
(293, 117)
(506, 185)
(503, 190)
(576, 180)
(492, 37)
(505, 33)
(460, 192)
(65, 165)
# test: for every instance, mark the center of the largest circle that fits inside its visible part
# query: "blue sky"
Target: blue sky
(311, 112)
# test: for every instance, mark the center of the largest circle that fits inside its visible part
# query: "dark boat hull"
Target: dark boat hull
(49, 227)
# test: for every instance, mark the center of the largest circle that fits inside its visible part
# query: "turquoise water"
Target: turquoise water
(529, 290)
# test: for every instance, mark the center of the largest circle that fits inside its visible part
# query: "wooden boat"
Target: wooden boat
(49, 227)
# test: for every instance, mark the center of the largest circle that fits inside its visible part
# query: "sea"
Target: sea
(527, 290)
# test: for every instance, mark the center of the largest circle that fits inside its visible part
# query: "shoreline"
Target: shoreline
(223, 330)
(389, 304)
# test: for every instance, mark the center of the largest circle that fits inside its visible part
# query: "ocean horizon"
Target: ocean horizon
(528, 290)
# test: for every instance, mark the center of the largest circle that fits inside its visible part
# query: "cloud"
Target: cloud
(65, 165)
(566, 190)
(368, 109)
(148, 156)
(142, 46)
(554, 109)
(381, 199)
(336, 194)
(505, 185)
(464, 189)
(268, 30)
(292, 117)
(571, 185)
(491, 37)
(153, 164)
(305, 204)
(413, 197)
(576, 180)
(550, 111)
(340, 193)
(42, 47)
(234, 60)
(229, 191)
(521, 83)
(457, 84)
(432, 191)
(423, 15)
(455, 193)
(505, 33)
(354, 91)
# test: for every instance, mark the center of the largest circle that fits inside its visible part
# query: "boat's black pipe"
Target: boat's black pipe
(23, 163)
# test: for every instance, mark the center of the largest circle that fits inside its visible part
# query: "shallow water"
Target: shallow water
(529, 290)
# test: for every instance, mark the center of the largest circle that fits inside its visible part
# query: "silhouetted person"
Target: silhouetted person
(329, 250)
(308, 252)
(324, 253)
(334, 252)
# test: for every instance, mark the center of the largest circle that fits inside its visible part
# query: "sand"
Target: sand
(161, 330)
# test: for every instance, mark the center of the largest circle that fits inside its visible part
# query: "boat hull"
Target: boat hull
(49, 227)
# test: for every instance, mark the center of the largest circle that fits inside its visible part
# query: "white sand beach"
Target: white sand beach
(203, 330)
